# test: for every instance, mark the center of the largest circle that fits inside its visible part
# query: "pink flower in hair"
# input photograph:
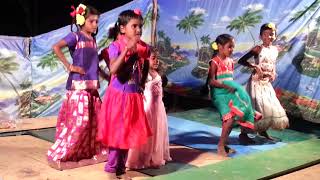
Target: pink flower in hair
(137, 12)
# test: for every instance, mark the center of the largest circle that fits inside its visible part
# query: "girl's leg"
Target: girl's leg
(123, 155)
(227, 148)
(111, 165)
(244, 138)
(226, 129)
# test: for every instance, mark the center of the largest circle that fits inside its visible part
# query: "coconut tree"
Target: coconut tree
(161, 34)
(317, 31)
(190, 23)
(308, 9)
(104, 42)
(155, 18)
(50, 60)
(244, 22)
(151, 18)
(7, 67)
(205, 40)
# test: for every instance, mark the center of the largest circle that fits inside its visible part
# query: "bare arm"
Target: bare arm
(57, 50)
(244, 59)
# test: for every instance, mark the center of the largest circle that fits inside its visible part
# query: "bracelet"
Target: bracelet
(70, 67)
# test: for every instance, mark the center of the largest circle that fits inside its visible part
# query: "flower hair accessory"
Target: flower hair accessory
(79, 14)
(137, 12)
(214, 46)
(271, 26)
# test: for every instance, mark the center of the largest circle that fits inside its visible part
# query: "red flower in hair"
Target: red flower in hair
(137, 12)
(74, 12)
(80, 11)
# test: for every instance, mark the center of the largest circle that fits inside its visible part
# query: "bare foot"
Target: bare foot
(244, 139)
(111, 176)
(222, 151)
(266, 135)
(229, 150)
(124, 176)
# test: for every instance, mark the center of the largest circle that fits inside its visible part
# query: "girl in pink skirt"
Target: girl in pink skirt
(122, 122)
(75, 141)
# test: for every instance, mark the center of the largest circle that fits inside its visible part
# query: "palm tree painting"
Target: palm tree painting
(104, 42)
(189, 24)
(161, 34)
(205, 40)
(305, 11)
(151, 18)
(242, 23)
(147, 19)
(50, 60)
(8, 67)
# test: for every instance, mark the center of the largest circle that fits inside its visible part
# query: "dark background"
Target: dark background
(33, 17)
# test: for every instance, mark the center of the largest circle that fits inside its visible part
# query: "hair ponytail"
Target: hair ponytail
(114, 31)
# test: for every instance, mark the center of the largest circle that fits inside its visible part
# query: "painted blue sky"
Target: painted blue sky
(219, 13)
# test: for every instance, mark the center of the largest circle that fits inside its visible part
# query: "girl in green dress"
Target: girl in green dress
(230, 98)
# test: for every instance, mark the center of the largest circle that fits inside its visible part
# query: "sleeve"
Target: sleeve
(113, 51)
(71, 39)
(143, 50)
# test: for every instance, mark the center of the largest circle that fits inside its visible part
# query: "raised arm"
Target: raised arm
(116, 63)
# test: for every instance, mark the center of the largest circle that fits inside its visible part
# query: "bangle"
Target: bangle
(70, 67)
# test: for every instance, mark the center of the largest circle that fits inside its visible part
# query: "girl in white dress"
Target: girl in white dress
(259, 87)
(155, 152)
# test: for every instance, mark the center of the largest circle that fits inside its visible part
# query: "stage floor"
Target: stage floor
(23, 156)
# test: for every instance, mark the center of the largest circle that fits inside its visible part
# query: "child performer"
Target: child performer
(122, 122)
(156, 152)
(259, 87)
(229, 97)
(75, 141)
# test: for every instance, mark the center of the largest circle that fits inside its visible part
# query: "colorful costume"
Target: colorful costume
(75, 141)
(263, 96)
(235, 105)
(122, 122)
(156, 152)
